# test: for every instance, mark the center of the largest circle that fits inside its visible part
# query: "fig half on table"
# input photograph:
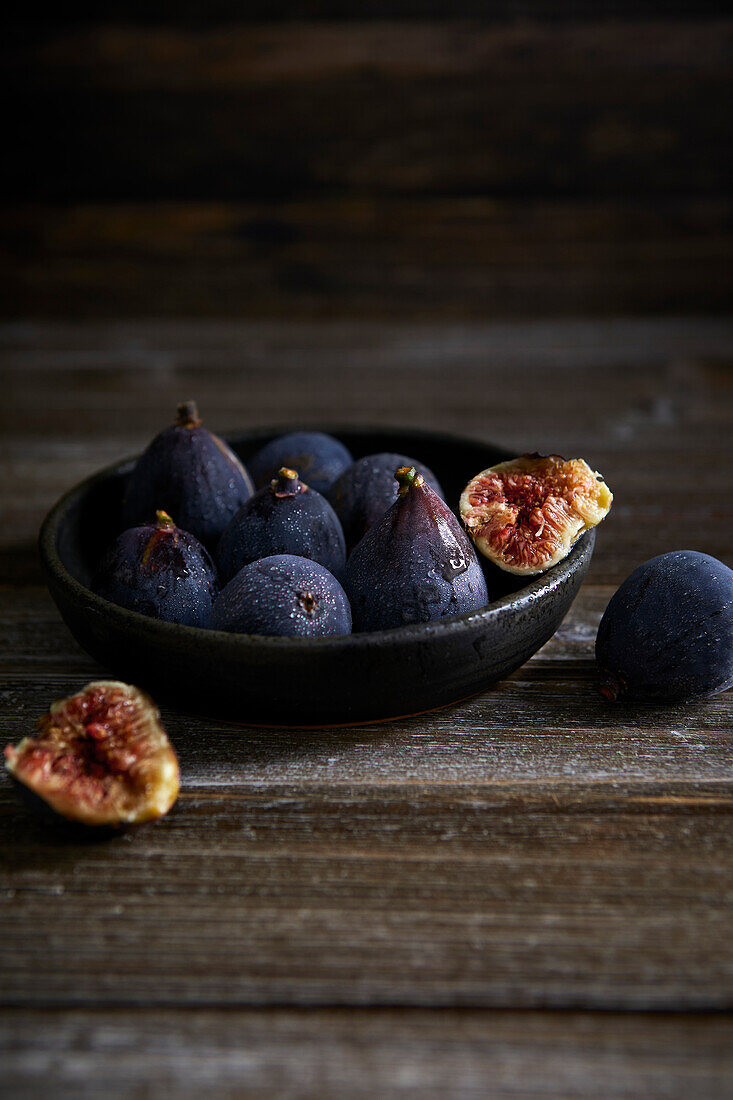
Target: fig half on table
(100, 758)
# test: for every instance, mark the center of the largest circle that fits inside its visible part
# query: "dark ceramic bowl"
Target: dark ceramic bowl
(297, 681)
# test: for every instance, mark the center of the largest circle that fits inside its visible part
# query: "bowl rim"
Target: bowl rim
(536, 589)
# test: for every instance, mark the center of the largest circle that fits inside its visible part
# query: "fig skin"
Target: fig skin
(190, 473)
(364, 492)
(160, 571)
(283, 595)
(526, 514)
(667, 633)
(318, 458)
(100, 760)
(286, 517)
(415, 564)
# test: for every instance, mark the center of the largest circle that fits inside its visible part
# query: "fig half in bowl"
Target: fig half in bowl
(259, 679)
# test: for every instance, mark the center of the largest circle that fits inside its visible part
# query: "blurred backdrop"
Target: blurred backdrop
(388, 158)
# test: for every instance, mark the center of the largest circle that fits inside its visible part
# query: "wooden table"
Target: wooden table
(525, 895)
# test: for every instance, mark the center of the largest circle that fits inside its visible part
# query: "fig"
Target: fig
(415, 564)
(667, 633)
(287, 517)
(190, 473)
(524, 515)
(161, 571)
(100, 758)
(318, 458)
(283, 595)
(364, 492)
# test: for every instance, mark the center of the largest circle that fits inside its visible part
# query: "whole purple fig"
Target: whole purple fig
(191, 473)
(159, 570)
(415, 564)
(365, 490)
(318, 458)
(285, 518)
(283, 595)
(667, 633)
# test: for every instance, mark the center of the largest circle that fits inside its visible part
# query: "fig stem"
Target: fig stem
(287, 483)
(164, 525)
(406, 477)
(610, 687)
(187, 415)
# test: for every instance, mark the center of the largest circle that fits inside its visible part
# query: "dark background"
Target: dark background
(389, 158)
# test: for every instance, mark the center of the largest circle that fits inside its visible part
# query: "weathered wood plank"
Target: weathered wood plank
(530, 729)
(461, 1054)
(526, 108)
(545, 723)
(483, 895)
(450, 257)
(532, 847)
(678, 351)
(132, 58)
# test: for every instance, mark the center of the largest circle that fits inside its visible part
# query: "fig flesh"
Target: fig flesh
(667, 633)
(287, 517)
(364, 491)
(190, 473)
(415, 564)
(283, 595)
(161, 571)
(318, 458)
(525, 515)
(100, 758)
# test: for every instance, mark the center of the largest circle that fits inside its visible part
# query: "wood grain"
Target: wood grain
(289, 110)
(451, 257)
(329, 1054)
(407, 167)
(324, 895)
(534, 845)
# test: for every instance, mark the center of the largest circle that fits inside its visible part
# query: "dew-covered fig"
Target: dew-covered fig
(100, 758)
(286, 517)
(318, 458)
(161, 571)
(190, 473)
(364, 492)
(667, 633)
(526, 514)
(283, 595)
(415, 564)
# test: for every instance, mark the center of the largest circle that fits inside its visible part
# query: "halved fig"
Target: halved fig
(525, 515)
(100, 758)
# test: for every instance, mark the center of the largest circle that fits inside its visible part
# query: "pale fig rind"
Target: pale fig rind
(100, 758)
(526, 514)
